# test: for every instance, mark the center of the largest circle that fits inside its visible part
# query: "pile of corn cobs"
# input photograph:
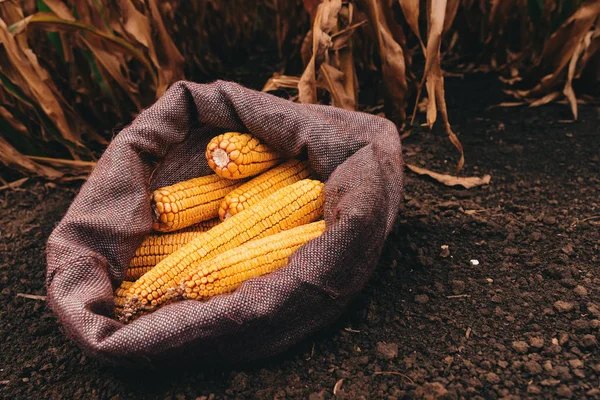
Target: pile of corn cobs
(223, 229)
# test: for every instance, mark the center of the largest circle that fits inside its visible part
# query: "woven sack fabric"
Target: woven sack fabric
(358, 156)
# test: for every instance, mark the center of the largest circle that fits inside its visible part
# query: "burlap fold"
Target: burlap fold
(357, 154)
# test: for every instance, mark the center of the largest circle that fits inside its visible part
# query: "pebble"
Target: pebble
(589, 341)
(387, 351)
(520, 347)
(580, 291)
(563, 306)
(421, 298)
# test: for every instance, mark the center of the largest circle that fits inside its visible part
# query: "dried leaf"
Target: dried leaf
(334, 80)
(136, 24)
(112, 65)
(449, 180)
(169, 57)
(55, 24)
(15, 123)
(568, 89)
(60, 9)
(392, 62)
(325, 21)
(36, 84)
(74, 167)
(278, 81)
(451, 10)
(11, 157)
(545, 100)
(410, 9)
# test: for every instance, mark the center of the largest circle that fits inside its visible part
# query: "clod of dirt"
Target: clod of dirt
(576, 363)
(532, 389)
(458, 287)
(564, 306)
(520, 347)
(580, 325)
(421, 298)
(536, 343)
(533, 367)
(564, 391)
(589, 341)
(433, 390)
(549, 220)
(387, 351)
(580, 291)
(492, 378)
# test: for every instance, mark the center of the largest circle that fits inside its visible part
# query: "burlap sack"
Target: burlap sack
(359, 157)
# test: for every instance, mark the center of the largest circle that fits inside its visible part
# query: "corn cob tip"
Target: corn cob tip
(135, 306)
(235, 155)
(220, 157)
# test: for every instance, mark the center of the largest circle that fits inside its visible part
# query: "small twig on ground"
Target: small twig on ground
(338, 386)
(395, 373)
(13, 184)
(31, 296)
(577, 221)
(351, 330)
(458, 296)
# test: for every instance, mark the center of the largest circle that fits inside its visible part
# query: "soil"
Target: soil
(522, 322)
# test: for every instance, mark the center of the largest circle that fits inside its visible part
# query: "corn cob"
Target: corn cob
(235, 155)
(290, 206)
(156, 247)
(120, 293)
(225, 272)
(262, 186)
(189, 202)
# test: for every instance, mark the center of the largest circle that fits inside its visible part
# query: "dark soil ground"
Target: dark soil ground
(524, 322)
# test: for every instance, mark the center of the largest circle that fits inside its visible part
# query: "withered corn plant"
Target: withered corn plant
(539, 48)
(72, 71)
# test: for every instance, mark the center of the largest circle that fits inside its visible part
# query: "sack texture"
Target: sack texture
(357, 154)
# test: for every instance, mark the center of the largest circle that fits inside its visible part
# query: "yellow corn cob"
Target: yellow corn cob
(156, 247)
(189, 202)
(291, 206)
(120, 293)
(225, 272)
(262, 186)
(235, 155)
